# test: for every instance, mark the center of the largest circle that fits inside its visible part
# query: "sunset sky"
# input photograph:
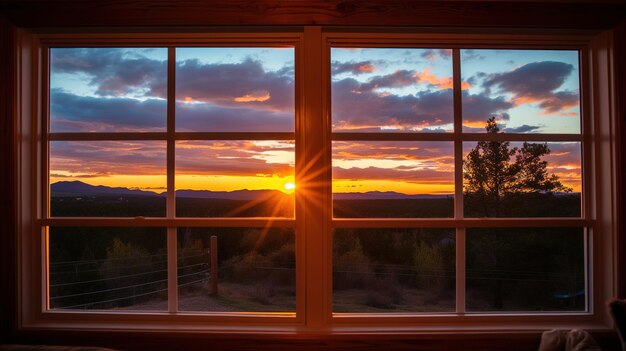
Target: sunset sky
(252, 90)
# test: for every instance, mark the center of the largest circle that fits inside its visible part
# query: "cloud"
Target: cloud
(433, 55)
(255, 96)
(232, 83)
(126, 72)
(423, 151)
(477, 108)
(73, 159)
(104, 158)
(73, 113)
(559, 101)
(536, 82)
(210, 118)
(398, 79)
(394, 174)
(369, 106)
(113, 71)
(352, 67)
(238, 158)
(421, 162)
(522, 129)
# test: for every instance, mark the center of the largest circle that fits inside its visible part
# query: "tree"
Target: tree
(493, 170)
(497, 177)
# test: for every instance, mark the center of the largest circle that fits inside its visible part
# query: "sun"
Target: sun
(290, 186)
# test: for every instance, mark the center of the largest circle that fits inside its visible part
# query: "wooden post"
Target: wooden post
(213, 265)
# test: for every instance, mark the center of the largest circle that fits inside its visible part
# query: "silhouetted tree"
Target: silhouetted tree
(497, 176)
(494, 170)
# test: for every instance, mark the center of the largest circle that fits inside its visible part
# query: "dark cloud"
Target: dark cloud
(352, 67)
(232, 158)
(209, 118)
(356, 106)
(434, 54)
(360, 106)
(536, 79)
(103, 158)
(559, 101)
(113, 71)
(234, 84)
(106, 158)
(480, 107)
(536, 82)
(522, 129)
(398, 79)
(119, 72)
(72, 113)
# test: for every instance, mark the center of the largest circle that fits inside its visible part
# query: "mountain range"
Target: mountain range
(78, 188)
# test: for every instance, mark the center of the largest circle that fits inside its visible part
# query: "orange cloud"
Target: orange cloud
(255, 96)
(441, 83)
(366, 68)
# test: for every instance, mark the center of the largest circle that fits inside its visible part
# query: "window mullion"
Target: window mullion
(458, 181)
(315, 148)
(172, 269)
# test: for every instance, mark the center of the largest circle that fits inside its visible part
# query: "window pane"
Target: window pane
(537, 180)
(107, 178)
(108, 89)
(394, 270)
(526, 269)
(526, 91)
(235, 178)
(235, 89)
(255, 270)
(107, 268)
(393, 179)
(391, 90)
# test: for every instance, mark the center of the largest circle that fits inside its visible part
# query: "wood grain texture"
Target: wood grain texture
(8, 235)
(559, 14)
(620, 85)
(199, 342)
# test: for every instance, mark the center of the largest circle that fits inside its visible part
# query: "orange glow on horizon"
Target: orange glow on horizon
(368, 185)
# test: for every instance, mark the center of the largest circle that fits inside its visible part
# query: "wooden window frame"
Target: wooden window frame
(313, 221)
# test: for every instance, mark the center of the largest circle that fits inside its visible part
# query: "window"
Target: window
(398, 150)
(174, 133)
(318, 181)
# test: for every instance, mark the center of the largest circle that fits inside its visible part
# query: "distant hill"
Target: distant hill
(386, 195)
(78, 188)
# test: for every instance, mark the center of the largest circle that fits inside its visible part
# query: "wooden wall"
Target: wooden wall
(563, 15)
(8, 235)
(573, 14)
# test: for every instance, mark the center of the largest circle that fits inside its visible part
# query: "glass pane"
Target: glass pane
(107, 268)
(235, 89)
(393, 179)
(394, 270)
(391, 90)
(108, 89)
(511, 179)
(255, 270)
(526, 269)
(107, 178)
(525, 91)
(235, 178)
